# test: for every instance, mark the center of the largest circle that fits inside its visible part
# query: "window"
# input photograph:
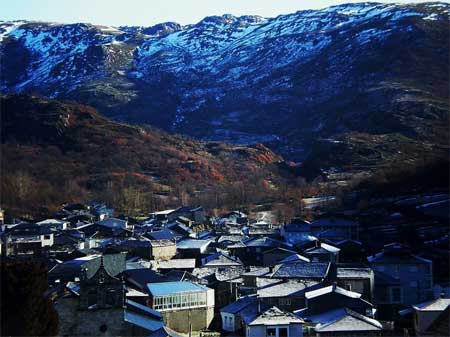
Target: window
(101, 278)
(110, 296)
(284, 301)
(348, 287)
(281, 331)
(271, 332)
(180, 301)
(413, 269)
(92, 297)
(396, 295)
(413, 284)
(46, 237)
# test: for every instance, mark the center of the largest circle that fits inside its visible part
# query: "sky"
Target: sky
(150, 12)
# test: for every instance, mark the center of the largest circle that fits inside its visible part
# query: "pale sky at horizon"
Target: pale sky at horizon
(150, 12)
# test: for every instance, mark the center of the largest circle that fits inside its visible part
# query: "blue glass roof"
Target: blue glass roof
(168, 288)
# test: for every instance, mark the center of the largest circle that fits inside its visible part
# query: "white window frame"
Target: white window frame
(277, 329)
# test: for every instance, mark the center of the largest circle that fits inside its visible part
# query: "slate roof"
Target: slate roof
(140, 277)
(231, 238)
(164, 332)
(176, 264)
(396, 253)
(323, 248)
(193, 244)
(220, 259)
(239, 304)
(346, 241)
(342, 320)
(275, 316)
(295, 258)
(164, 234)
(264, 242)
(439, 304)
(132, 305)
(143, 321)
(331, 289)
(26, 228)
(318, 270)
(279, 250)
(285, 289)
(181, 275)
(114, 264)
(353, 272)
(113, 223)
(258, 271)
(178, 227)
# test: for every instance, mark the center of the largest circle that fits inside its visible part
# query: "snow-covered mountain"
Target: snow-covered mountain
(368, 67)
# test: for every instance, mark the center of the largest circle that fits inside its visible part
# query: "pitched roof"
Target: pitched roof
(295, 258)
(163, 234)
(113, 223)
(283, 289)
(275, 316)
(279, 250)
(164, 332)
(140, 277)
(143, 321)
(353, 272)
(439, 304)
(193, 244)
(396, 253)
(323, 248)
(176, 264)
(220, 259)
(26, 228)
(343, 319)
(239, 304)
(302, 270)
(330, 289)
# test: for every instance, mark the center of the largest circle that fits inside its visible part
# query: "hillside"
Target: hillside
(54, 151)
(375, 70)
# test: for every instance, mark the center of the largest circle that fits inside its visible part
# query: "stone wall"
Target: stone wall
(75, 322)
(179, 320)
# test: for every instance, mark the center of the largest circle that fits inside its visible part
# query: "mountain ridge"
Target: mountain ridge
(286, 82)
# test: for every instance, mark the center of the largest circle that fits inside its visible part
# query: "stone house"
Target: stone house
(183, 305)
(275, 323)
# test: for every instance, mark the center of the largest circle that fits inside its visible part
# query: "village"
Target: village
(181, 272)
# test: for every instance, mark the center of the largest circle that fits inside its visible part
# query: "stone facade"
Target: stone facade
(162, 249)
(74, 321)
(180, 320)
(98, 310)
